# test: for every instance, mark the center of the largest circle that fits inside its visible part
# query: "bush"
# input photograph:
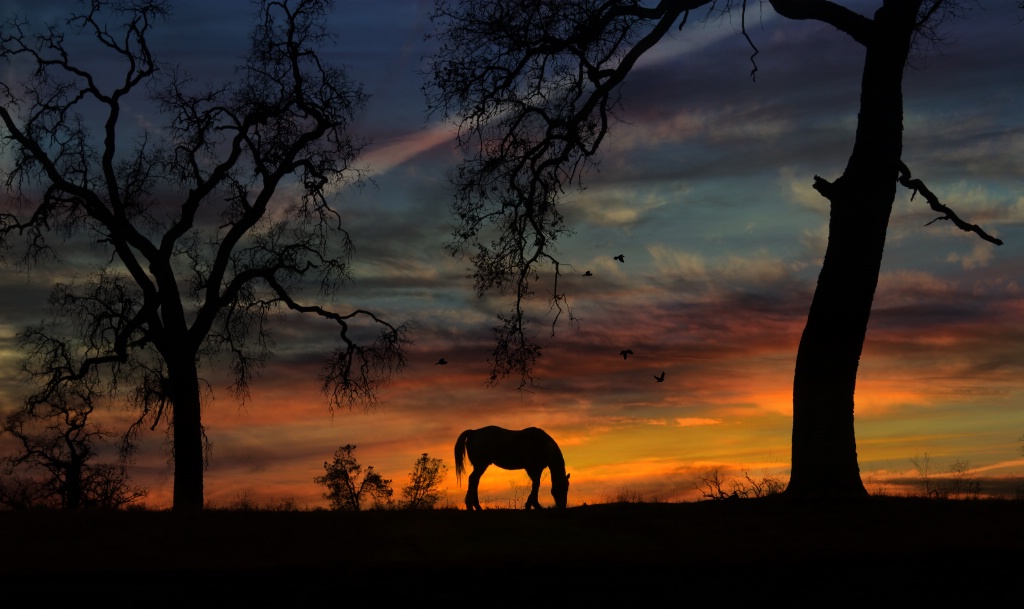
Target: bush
(424, 490)
(348, 488)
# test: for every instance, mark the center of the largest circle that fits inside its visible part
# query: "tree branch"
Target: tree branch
(917, 185)
(843, 19)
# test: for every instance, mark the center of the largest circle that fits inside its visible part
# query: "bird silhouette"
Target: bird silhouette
(588, 274)
(620, 258)
(626, 353)
(441, 362)
(661, 378)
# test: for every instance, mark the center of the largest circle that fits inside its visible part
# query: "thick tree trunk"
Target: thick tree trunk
(183, 388)
(73, 492)
(824, 446)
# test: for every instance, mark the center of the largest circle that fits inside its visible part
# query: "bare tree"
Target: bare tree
(348, 488)
(204, 230)
(533, 86)
(55, 463)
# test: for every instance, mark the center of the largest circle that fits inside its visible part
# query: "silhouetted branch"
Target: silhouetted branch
(743, 30)
(824, 187)
(917, 185)
(559, 301)
(845, 20)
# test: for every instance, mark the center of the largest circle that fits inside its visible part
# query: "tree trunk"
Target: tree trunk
(183, 390)
(73, 494)
(824, 447)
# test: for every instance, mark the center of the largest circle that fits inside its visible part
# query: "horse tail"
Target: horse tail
(460, 454)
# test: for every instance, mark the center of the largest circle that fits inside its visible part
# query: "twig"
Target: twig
(743, 29)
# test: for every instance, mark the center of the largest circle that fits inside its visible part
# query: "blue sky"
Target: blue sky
(705, 188)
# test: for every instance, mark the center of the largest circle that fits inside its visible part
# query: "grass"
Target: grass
(704, 551)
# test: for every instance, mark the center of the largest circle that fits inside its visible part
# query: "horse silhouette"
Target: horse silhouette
(531, 449)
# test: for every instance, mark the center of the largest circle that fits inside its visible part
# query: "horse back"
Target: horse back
(530, 448)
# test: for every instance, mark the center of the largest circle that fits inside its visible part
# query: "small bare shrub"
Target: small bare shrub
(713, 486)
(960, 484)
(520, 491)
(245, 501)
(765, 486)
(628, 494)
(923, 467)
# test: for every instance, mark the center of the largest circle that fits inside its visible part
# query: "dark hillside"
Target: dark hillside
(731, 552)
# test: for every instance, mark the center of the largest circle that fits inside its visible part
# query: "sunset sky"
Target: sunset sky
(705, 188)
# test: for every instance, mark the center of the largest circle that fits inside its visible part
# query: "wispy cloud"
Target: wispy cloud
(692, 421)
(383, 157)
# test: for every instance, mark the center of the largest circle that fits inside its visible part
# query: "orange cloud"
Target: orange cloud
(692, 421)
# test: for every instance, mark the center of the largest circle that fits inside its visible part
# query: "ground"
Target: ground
(729, 552)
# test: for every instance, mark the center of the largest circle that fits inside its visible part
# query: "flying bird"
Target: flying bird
(588, 274)
(626, 353)
(661, 378)
(441, 362)
(620, 258)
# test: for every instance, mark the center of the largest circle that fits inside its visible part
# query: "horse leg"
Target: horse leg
(532, 501)
(472, 496)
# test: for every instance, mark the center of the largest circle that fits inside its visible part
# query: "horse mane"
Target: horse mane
(556, 462)
(460, 454)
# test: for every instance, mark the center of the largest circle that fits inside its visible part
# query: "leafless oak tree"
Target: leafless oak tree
(55, 463)
(205, 229)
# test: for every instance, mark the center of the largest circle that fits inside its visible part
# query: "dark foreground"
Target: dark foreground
(744, 552)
